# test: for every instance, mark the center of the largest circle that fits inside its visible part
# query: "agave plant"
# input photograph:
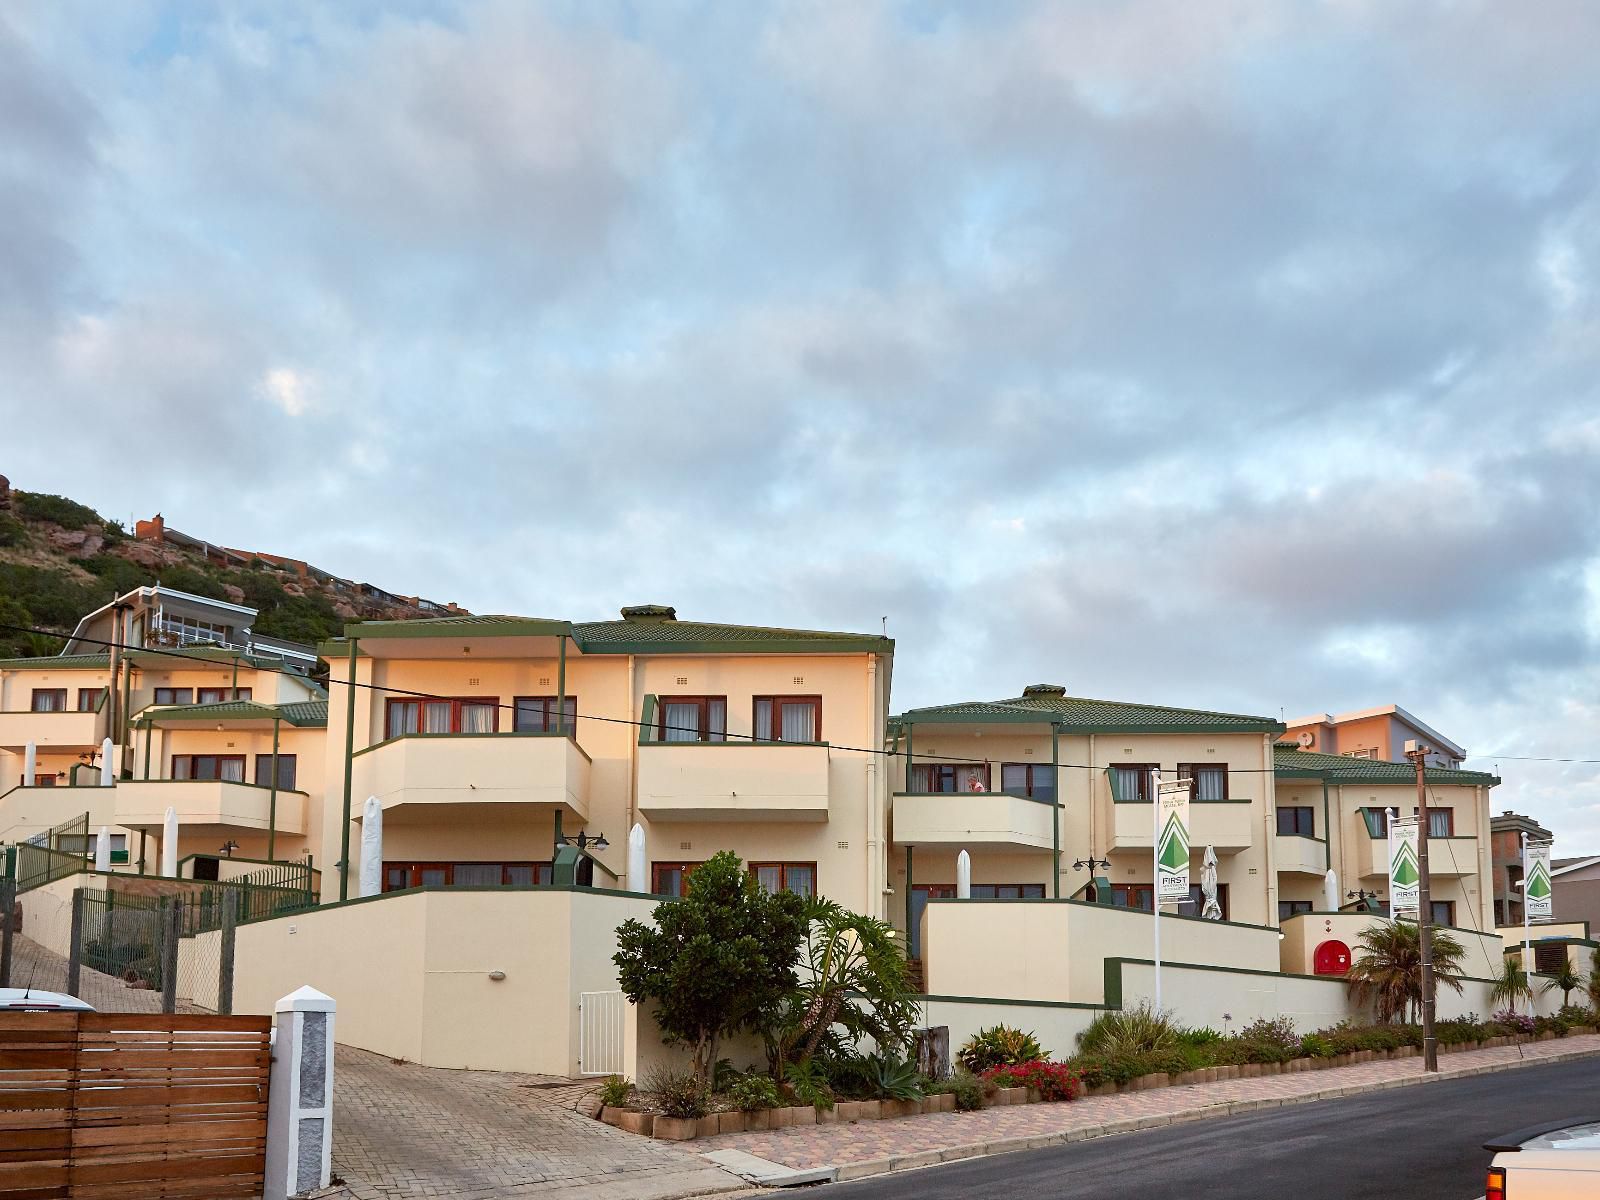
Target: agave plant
(1387, 972)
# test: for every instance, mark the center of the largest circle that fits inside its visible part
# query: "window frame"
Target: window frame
(1390, 812)
(415, 868)
(1130, 890)
(1030, 790)
(704, 703)
(548, 705)
(1294, 907)
(39, 693)
(940, 767)
(1310, 814)
(1449, 815)
(217, 778)
(225, 694)
(685, 868)
(264, 768)
(455, 702)
(775, 718)
(1187, 771)
(1449, 907)
(1025, 891)
(1146, 781)
(92, 695)
(172, 693)
(783, 869)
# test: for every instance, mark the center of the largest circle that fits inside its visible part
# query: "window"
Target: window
(228, 767)
(1361, 754)
(1132, 781)
(286, 771)
(668, 879)
(788, 718)
(950, 777)
(49, 699)
(89, 699)
(1007, 891)
(171, 695)
(1195, 905)
(1444, 912)
(1441, 822)
(1035, 780)
(1133, 895)
(799, 878)
(693, 719)
(1288, 908)
(221, 695)
(86, 844)
(538, 714)
(397, 876)
(1377, 820)
(1297, 822)
(190, 629)
(44, 780)
(1210, 780)
(1499, 912)
(470, 714)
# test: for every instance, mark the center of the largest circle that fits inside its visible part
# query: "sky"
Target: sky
(1237, 355)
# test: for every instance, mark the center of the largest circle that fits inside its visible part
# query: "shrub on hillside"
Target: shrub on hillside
(69, 514)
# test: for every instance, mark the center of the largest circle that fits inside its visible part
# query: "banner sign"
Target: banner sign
(1172, 841)
(1536, 874)
(1405, 876)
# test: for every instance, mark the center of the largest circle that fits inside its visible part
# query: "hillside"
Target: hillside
(60, 559)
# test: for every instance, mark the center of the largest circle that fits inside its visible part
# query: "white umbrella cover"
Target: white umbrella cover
(372, 847)
(963, 876)
(1208, 887)
(638, 874)
(169, 843)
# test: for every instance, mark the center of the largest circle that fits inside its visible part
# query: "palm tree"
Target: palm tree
(1512, 985)
(1592, 986)
(1567, 979)
(1387, 972)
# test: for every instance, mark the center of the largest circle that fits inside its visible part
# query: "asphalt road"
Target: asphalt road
(1417, 1143)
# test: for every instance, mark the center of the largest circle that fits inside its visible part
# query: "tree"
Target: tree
(715, 960)
(1566, 979)
(1511, 986)
(852, 975)
(1388, 969)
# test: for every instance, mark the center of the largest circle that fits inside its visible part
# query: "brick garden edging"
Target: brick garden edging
(850, 1111)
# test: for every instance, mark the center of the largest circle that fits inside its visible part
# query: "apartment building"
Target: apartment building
(1505, 859)
(490, 740)
(1377, 733)
(1051, 796)
(1334, 811)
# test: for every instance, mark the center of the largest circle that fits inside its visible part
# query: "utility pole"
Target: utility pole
(1418, 754)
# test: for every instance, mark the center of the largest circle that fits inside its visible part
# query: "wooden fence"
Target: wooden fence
(132, 1105)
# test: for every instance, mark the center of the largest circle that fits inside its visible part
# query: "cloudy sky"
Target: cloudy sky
(1236, 355)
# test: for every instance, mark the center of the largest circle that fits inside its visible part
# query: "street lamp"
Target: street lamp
(584, 842)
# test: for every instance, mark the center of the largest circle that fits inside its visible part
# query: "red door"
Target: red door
(1332, 958)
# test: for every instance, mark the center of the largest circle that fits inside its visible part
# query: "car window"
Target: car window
(1573, 1137)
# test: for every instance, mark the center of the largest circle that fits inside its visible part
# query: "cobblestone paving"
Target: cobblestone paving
(403, 1131)
(930, 1136)
(34, 966)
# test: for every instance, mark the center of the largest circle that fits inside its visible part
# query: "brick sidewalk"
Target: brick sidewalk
(872, 1147)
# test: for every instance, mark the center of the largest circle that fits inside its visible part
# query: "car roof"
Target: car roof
(37, 998)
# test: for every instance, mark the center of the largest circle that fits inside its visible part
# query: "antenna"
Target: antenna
(885, 626)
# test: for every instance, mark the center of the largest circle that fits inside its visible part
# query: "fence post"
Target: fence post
(300, 1098)
(8, 897)
(171, 931)
(75, 945)
(230, 906)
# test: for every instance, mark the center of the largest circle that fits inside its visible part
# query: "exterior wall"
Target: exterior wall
(1305, 932)
(847, 847)
(1057, 1026)
(1577, 896)
(1223, 1000)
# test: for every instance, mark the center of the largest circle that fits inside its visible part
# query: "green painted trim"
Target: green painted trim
(349, 768)
(647, 720)
(1166, 916)
(1075, 1004)
(999, 717)
(1381, 917)
(532, 887)
(917, 795)
(457, 627)
(58, 662)
(1113, 975)
(1305, 837)
(863, 644)
(263, 862)
(508, 734)
(735, 740)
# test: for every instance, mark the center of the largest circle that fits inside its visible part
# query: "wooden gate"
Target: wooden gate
(132, 1105)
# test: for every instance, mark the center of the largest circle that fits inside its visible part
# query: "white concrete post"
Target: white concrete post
(300, 1102)
(371, 847)
(30, 764)
(107, 776)
(638, 872)
(1330, 891)
(102, 850)
(169, 843)
(963, 876)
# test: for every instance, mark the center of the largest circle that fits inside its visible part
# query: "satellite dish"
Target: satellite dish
(1306, 738)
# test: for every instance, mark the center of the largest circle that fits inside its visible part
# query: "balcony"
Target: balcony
(1226, 826)
(1297, 855)
(52, 730)
(733, 781)
(420, 772)
(971, 819)
(226, 804)
(1448, 857)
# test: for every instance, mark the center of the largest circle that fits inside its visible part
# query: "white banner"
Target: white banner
(1536, 881)
(1172, 841)
(1405, 875)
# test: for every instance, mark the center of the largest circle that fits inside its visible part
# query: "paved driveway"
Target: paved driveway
(402, 1131)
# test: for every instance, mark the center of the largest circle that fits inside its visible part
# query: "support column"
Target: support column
(300, 1099)
(1055, 812)
(561, 686)
(913, 942)
(349, 764)
(75, 945)
(171, 934)
(272, 796)
(231, 900)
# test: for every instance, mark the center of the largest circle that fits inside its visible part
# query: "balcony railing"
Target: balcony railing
(70, 729)
(733, 781)
(422, 769)
(143, 803)
(1448, 857)
(1300, 855)
(1228, 826)
(972, 818)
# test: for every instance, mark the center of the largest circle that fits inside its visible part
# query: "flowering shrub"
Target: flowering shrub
(1053, 1081)
(1514, 1022)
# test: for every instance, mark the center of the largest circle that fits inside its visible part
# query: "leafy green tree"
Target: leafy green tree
(1566, 980)
(715, 960)
(1511, 987)
(1387, 971)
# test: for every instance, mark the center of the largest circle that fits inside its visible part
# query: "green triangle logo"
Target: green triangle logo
(1539, 882)
(1174, 855)
(1404, 868)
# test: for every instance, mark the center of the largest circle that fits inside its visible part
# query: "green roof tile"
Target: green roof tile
(1293, 762)
(57, 662)
(648, 635)
(1077, 714)
(302, 714)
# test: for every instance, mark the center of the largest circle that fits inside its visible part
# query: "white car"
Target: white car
(1544, 1162)
(36, 1000)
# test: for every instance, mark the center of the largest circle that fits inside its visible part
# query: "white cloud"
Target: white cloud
(289, 389)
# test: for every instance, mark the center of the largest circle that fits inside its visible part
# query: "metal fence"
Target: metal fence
(41, 860)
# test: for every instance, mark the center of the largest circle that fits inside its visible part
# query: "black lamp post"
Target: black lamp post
(584, 842)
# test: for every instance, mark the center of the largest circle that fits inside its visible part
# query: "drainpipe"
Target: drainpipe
(146, 726)
(561, 687)
(349, 763)
(122, 717)
(272, 797)
(1055, 811)
(1327, 830)
(633, 753)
